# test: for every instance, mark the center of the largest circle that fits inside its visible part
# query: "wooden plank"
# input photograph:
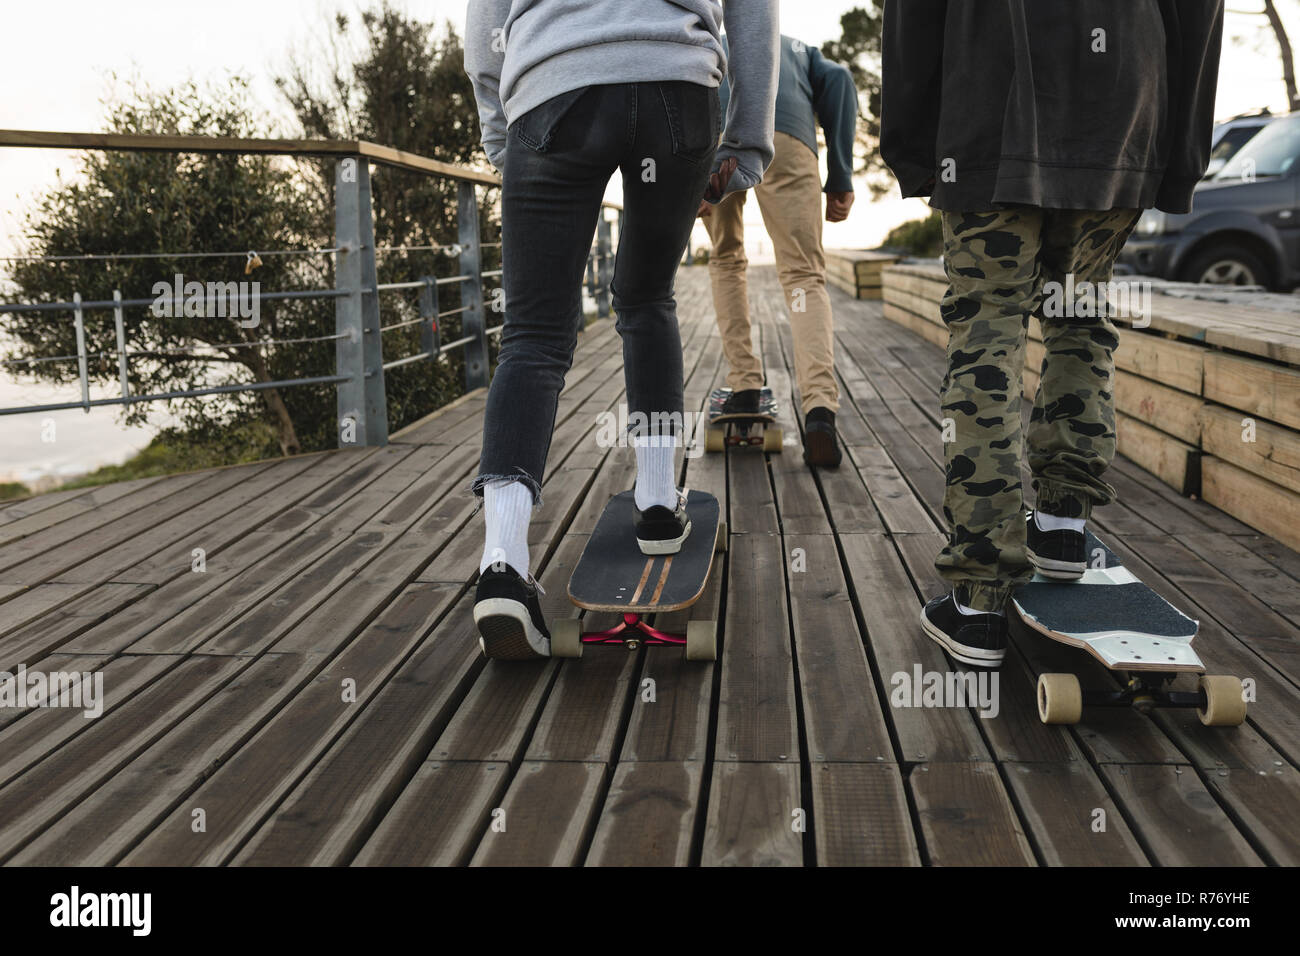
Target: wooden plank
(29, 804)
(1261, 504)
(648, 818)
(30, 735)
(1176, 817)
(1254, 387)
(756, 709)
(891, 610)
(842, 713)
(253, 779)
(966, 816)
(102, 827)
(1174, 462)
(860, 816)
(752, 816)
(1272, 452)
(331, 812)
(1167, 409)
(438, 819)
(547, 816)
(1266, 805)
(1070, 816)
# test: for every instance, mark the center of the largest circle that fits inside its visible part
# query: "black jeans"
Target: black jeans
(559, 157)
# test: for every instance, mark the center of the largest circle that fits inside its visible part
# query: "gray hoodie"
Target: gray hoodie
(521, 53)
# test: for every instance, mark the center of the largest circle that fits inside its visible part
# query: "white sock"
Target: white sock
(655, 484)
(507, 509)
(969, 610)
(1048, 522)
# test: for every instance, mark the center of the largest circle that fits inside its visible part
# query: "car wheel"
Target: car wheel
(1227, 265)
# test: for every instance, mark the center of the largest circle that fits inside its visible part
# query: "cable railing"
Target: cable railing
(360, 362)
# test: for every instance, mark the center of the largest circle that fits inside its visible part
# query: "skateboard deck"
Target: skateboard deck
(1129, 628)
(743, 429)
(1112, 615)
(613, 575)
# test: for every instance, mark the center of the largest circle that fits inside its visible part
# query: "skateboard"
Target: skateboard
(613, 575)
(1131, 630)
(742, 430)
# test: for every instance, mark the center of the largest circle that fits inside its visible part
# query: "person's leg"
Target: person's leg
(1072, 429)
(559, 158)
(790, 198)
(728, 266)
(992, 264)
(1071, 436)
(665, 170)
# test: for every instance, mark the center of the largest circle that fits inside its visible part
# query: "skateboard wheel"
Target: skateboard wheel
(566, 637)
(773, 439)
(1060, 699)
(1224, 706)
(715, 439)
(720, 545)
(701, 640)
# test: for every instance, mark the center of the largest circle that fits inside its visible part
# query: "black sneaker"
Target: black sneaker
(744, 402)
(509, 617)
(1062, 554)
(821, 447)
(976, 639)
(662, 530)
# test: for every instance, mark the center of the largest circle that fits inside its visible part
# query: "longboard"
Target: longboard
(741, 430)
(1129, 628)
(613, 575)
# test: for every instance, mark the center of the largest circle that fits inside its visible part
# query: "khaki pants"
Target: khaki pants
(790, 199)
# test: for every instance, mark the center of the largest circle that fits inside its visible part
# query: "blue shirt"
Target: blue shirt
(812, 90)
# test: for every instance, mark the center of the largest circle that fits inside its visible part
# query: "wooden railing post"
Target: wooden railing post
(362, 402)
(471, 288)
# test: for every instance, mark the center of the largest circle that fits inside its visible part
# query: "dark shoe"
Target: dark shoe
(744, 402)
(976, 639)
(821, 447)
(661, 530)
(1056, 554)
(509, 617)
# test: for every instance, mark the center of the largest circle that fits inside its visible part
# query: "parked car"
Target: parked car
(1230, 135)
(1244, 227)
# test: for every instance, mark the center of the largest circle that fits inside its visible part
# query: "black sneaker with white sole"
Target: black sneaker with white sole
(509, 617)
(976, 639)
(1061, 554)
(663, 530)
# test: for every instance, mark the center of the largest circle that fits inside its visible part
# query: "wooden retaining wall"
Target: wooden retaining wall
(857, 271)
(1207, 395)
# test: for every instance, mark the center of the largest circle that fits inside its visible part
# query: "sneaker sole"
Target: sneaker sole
(960, 652)
(506, 631)
(821, 450)
(667, 546)
(1059, 570)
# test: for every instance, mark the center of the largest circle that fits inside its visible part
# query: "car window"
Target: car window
(1233, 140)
(1274, 151)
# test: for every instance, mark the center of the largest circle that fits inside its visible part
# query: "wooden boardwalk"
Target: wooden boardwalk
(314, 693)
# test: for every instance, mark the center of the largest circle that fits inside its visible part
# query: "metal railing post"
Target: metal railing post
(430, 332)
(362, 402)
(606, 267)
(80, 320)
(121, 347)
(471, 288)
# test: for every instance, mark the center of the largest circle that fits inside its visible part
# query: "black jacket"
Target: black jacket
(1065, 104)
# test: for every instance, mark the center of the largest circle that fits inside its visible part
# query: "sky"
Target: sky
(59, 75)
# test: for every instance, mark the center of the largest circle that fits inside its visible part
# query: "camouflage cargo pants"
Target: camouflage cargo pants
(998, 264)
